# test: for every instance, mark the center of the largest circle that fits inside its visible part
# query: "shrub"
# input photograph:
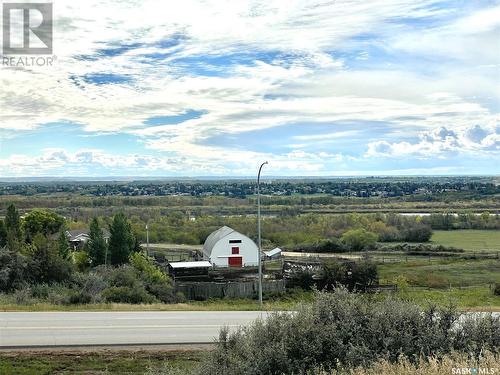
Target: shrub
(13, 269)
(155, 280)
(88, 287)
(55, 293)
(126, 287)
(352, 275)
(123, 276)
(345, 330)
(359, 239)
(418, 232)
(496, 289)
(331, 245)
(301, 279)
(81, 260)
(22, 296)
(123, 294)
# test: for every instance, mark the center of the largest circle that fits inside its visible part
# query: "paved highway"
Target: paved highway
(25, 329)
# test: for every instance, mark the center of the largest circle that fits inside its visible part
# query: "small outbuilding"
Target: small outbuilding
(228, 248)
(273, 254)
(189, 269)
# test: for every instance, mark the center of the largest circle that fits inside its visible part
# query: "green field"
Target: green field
(465, 299)
(469, 239)
(103, 362)
(443, 273)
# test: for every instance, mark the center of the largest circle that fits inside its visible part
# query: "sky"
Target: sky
(214, 88)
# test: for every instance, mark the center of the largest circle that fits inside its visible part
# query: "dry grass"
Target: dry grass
(430, 366)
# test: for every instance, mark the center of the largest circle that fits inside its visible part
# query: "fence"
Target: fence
(231, 289)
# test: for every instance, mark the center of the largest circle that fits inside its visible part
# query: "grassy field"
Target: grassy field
(465, 299)
(101, 362)
(286, 302)
(465, 283)
(443, 273)
(471, 240)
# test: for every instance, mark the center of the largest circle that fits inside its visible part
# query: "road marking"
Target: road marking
(123, 327)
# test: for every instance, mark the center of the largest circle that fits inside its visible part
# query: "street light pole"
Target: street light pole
(147, 239)
(258, 234)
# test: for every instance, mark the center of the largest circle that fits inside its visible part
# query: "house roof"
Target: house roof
(200, 264)
(76, 234)
(215, 237)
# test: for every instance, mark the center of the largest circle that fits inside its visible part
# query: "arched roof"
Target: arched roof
(215, 236)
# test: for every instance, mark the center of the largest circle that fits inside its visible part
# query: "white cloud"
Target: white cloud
(297, 76)
(442, 142)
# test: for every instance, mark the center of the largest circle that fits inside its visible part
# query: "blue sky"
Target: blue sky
(386, 87)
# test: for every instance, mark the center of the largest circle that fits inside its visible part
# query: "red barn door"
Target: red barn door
(235, 261)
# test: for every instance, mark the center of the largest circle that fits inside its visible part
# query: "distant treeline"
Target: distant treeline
(424, 188)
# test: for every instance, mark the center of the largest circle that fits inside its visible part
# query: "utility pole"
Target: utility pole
(258, 234)
(147, 240)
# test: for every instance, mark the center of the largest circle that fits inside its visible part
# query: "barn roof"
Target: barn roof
(214, 237)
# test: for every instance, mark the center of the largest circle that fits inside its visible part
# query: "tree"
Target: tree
(63, 246)
(122, 241)
(12, 269)
(12, 221)
(96, 247)
(13, 227)
(46, 264)
(42, 221)
(359, 239)
(3, 234)
(418, 232)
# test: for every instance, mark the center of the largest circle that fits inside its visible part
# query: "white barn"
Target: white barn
(228, 248)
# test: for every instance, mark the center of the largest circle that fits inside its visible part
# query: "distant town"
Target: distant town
(343, 187)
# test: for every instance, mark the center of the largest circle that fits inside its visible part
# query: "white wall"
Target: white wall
(222, 250)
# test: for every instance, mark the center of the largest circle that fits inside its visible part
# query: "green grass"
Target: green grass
(470, 240)
(443, 273)
(469, 299)
(280, 303)
(108, 362)
(464, 283)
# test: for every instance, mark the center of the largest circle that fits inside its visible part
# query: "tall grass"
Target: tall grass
(433, 365)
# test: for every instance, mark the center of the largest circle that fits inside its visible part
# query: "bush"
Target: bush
(123, 276)
(123, 294)
(331, 245)
(55, 293)
(155, 280)
(418, 232)
(359, 239)
(496, 289)
(22, 296)
(81, 260)
(13, 269)
(345, 330)
(352, 275)
(89, 287)
(126, 286)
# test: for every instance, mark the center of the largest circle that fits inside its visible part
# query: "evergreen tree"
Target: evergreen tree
(96, 246)
(122, 241)
(3, 234)
(13, 222)
(63, 245)
(13, 230)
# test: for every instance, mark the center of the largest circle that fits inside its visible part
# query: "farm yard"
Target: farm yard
(415, 241)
